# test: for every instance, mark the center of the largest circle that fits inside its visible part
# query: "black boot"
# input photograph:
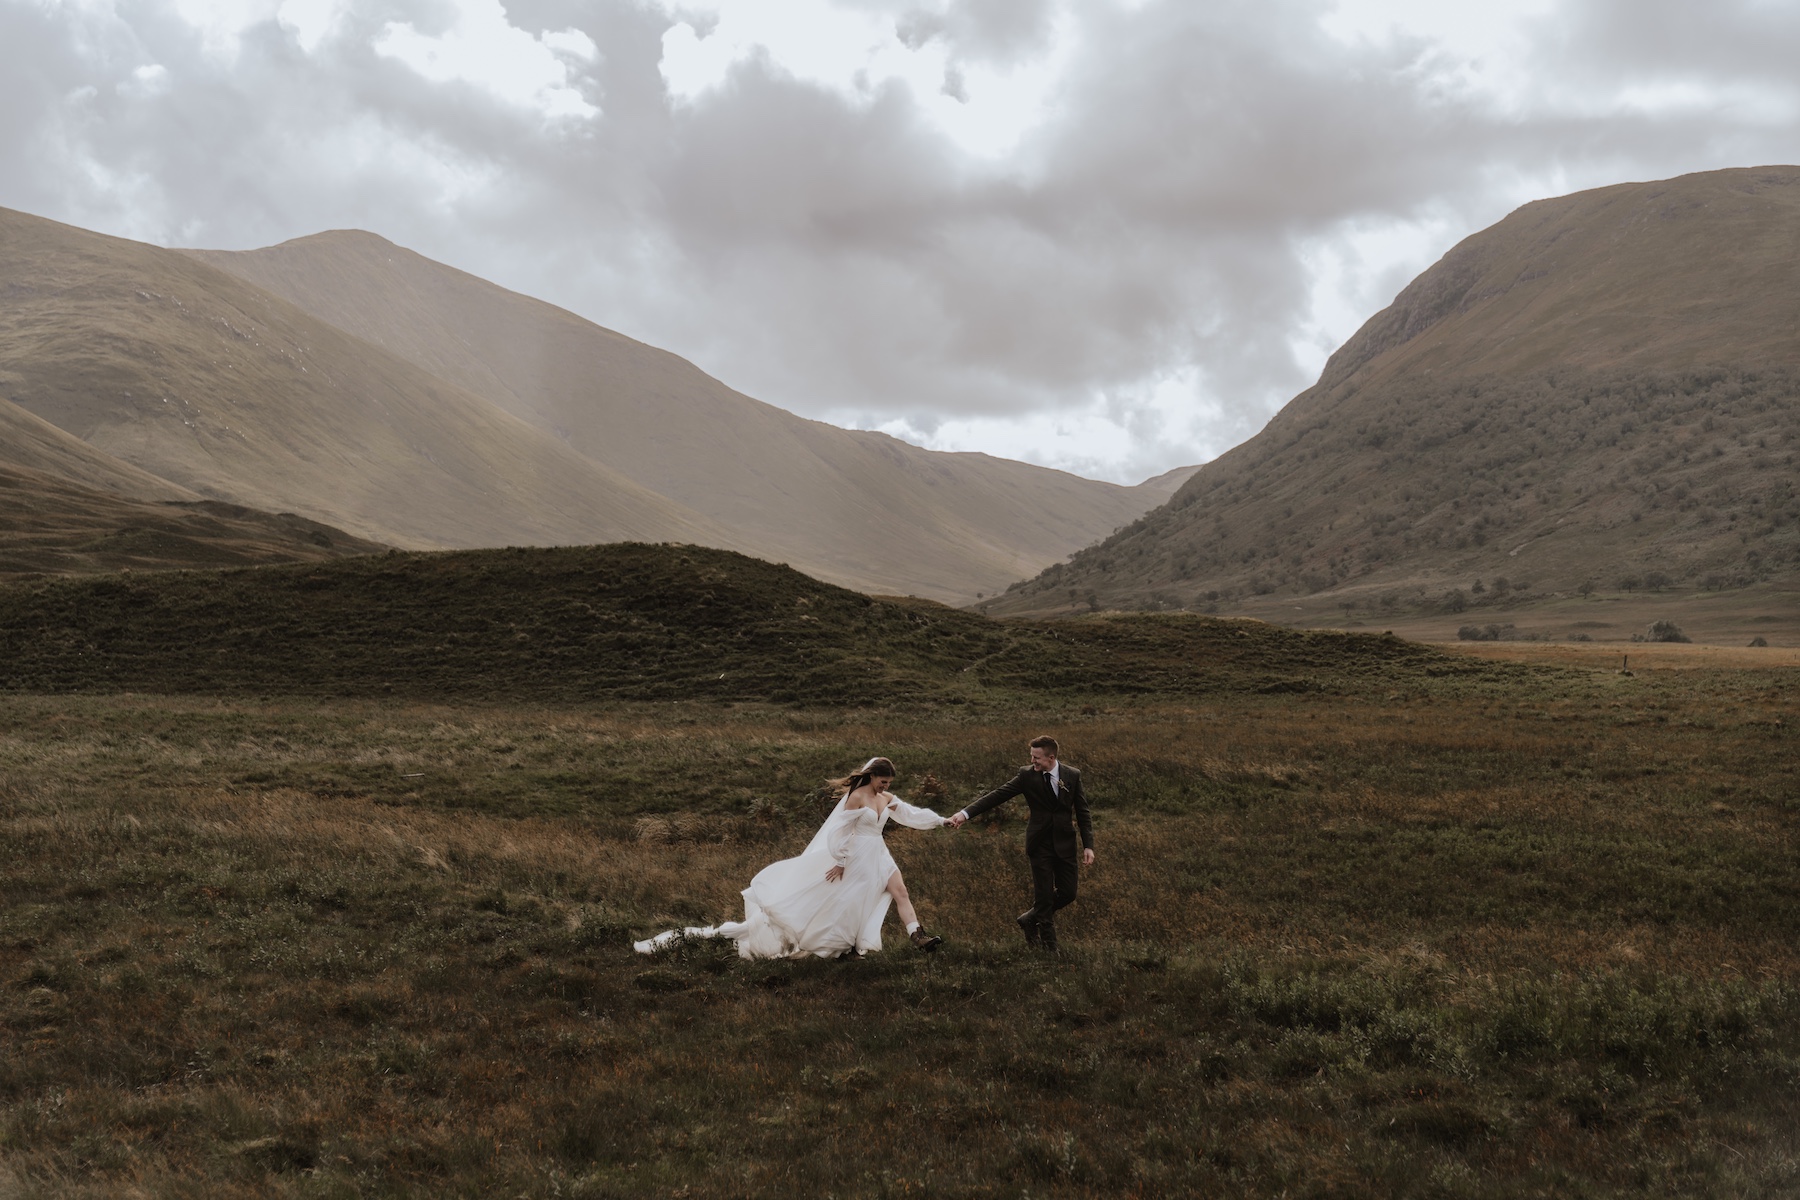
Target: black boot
(1028, 921)
(1047, 936)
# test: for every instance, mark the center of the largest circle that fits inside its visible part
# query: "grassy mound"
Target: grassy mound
(633, 621)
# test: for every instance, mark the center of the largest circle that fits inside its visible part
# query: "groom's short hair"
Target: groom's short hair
(1046, 742)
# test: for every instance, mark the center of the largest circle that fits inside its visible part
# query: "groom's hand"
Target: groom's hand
(957, 821)
(1087, 858)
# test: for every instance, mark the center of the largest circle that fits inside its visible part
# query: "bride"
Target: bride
(832, 899)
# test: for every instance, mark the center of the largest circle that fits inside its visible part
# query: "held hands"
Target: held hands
(957, 821)
(837, 873)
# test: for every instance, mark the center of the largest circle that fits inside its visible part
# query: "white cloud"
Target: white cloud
(1110, 236)
(482, 47)
(982, 107)
(146, 82)
(311, 20)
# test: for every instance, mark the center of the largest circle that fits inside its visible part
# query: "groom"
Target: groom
(1057, 804)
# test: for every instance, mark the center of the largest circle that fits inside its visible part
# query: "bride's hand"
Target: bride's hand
(833, 875)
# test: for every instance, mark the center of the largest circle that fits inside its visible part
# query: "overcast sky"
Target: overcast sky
(1112, 236)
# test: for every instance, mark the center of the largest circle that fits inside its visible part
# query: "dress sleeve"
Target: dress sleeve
(837, 838)
(913, 818)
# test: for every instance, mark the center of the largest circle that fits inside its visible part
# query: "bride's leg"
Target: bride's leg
(896, 888)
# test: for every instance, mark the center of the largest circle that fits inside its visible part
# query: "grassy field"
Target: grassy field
(1542, 944)
(1367, 920)
(1634, 657)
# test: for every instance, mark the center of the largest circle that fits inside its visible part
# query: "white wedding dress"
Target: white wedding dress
(791, 910)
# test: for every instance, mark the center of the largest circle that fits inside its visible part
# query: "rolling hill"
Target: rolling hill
(858, 508)
(1599, 393)
(49, 525)
(638, 622)
(29, 443)
(68, 507)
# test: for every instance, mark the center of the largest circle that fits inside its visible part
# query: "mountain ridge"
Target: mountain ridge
(225, 391)
(845, 505)
(1599, 389)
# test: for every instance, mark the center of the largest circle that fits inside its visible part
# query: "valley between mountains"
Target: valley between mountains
(1579, 421)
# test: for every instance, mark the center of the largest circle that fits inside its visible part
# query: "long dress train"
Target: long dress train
(791, 910)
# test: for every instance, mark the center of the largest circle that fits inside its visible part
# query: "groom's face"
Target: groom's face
(1042, 759)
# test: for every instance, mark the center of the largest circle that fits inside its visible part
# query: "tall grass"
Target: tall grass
(1541, 942)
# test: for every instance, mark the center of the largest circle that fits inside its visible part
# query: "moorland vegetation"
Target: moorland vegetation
(637, 622)
(1367, 920)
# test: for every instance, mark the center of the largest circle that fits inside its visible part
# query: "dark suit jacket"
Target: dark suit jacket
(1051, 829)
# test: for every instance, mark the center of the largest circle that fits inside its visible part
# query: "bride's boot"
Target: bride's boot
(925, 941)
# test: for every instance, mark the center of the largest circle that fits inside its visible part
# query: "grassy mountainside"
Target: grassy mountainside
(51, 526)
(858, 508)
(197, 377)
(640, 622)
(1602, 389)
(30, 443)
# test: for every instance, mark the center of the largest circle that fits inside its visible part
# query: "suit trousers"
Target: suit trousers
(1052, 883)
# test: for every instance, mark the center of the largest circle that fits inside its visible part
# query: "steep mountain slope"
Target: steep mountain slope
(31, 444)
(192, 375)
(858, 508)
(51, 525)
(1602, 389)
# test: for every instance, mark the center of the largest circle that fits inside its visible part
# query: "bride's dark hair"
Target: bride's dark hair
(873, 768)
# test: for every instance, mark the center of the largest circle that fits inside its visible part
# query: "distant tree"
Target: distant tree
(1501, 587)
(1454, 601)
(1656, 581)
(1759, 640)
(1665, 631)
(1586, 588)
(1477, 587)
(1630, 583)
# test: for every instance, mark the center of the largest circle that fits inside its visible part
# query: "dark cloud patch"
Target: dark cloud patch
(836, 252)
